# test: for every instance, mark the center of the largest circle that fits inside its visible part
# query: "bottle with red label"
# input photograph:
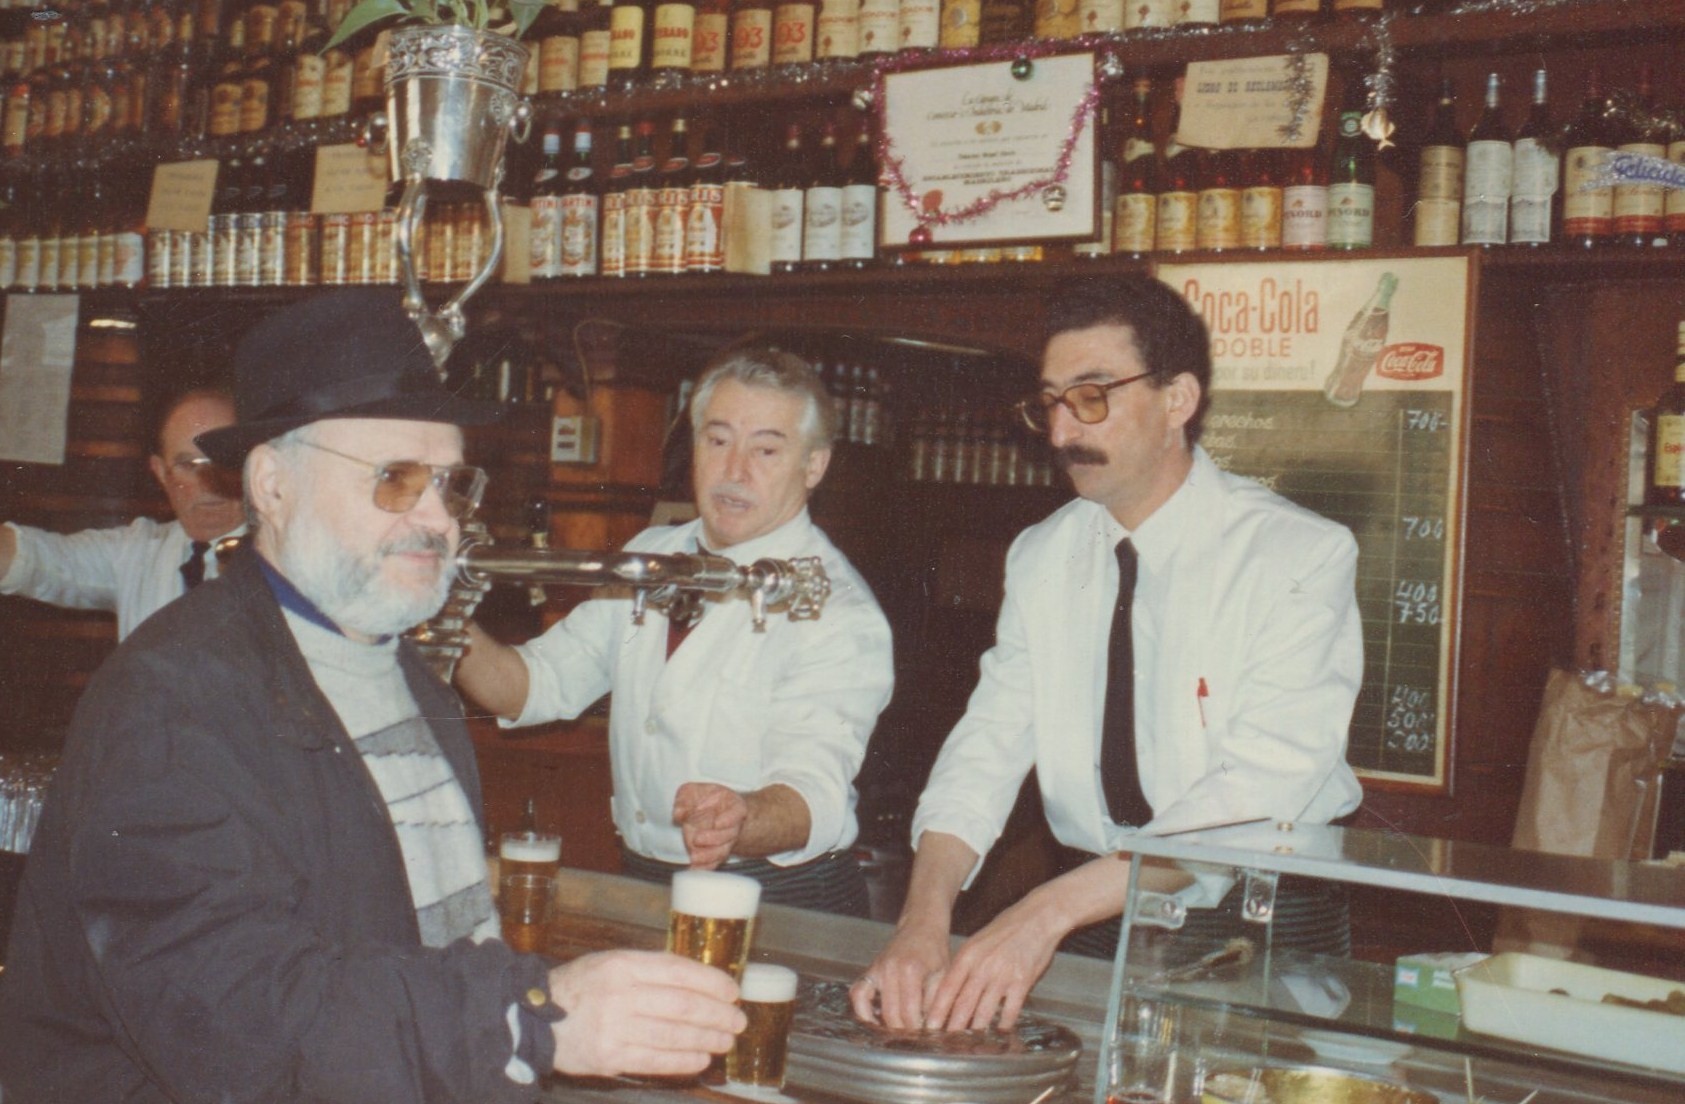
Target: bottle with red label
(710, 38)
(1640, 207)
(580, 209)
(1588, 199)
(1135, 217)
(641, 192)
(751, 34)
(704, 221)
(612, 251)
(544, 250)
(793, 23)
(672, 204)
(596, 36)
(1178, 196)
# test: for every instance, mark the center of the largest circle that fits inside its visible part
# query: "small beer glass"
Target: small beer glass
(769, 1001)
(526, 877)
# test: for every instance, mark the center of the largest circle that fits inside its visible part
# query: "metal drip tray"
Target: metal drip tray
(834, 1053)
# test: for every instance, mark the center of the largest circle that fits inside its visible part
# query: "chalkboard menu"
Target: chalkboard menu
(1340, 386)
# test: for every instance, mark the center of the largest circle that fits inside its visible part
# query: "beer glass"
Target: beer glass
(526, 877)
(712, 918)
(769, 1002)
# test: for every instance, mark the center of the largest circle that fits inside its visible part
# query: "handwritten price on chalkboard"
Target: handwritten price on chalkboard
(1428, 421)
(1417, 602)
(1411, 719)
(1423, 528)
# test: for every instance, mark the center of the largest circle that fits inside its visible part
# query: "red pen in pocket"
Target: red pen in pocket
(1199, 699)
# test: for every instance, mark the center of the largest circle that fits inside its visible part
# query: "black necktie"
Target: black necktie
(193, 571)
(1120, 777)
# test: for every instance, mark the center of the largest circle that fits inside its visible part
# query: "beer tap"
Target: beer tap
(797, 587)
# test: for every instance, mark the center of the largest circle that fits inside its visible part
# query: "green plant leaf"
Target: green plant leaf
(367, 12)
(525, 12)
(459, 14)
(427, 11)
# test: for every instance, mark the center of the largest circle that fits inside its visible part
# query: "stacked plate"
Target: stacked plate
(836, 1054)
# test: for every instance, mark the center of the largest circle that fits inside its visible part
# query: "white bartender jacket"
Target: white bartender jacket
(795, 704)
(132, 570)
(1249, 655)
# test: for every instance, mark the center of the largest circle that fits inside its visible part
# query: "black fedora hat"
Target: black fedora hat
(351, 353)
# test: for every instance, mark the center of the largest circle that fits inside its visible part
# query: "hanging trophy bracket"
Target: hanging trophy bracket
(452, 103)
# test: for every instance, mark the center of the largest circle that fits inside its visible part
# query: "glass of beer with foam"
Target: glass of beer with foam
(526, 887)
(769, 1002)
(712, 918)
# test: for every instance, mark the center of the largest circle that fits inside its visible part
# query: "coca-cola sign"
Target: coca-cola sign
(1411, 360)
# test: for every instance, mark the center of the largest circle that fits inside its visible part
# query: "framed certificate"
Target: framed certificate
(991, 153)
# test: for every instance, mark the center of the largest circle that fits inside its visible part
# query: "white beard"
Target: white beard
(350, 590)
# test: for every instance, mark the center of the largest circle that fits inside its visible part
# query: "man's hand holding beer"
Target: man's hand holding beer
(642, 1012)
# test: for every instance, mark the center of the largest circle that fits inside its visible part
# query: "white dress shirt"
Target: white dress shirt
(1248, 659)
(132, 570)
(795, 704)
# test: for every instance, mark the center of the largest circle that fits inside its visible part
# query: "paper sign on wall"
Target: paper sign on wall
(349, 181)
(1254, 103)
(37, 355)
(181, 195)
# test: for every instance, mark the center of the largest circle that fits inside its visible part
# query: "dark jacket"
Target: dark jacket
(215, 907)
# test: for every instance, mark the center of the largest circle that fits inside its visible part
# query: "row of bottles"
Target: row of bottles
(1493, 187)
(959, 445)
(859, 394)
(654, 216)
(1160, 196)
(626, 43)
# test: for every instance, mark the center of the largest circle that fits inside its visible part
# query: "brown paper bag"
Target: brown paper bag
(1592, 774)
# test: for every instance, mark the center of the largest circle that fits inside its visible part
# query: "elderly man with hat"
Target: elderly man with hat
(260, 874)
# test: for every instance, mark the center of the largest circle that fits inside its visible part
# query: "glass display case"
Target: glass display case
(1249, 1020)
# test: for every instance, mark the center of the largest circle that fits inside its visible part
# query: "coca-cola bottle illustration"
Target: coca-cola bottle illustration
(1360, 345)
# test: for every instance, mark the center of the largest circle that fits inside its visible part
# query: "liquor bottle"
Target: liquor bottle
(822, 205)
(1533, 192)
(1135, 215)
(1439, 176)
(257, 74)
(1304, 200)
(1351, 185)
(613, 247)
(339, 68)
(792, 31)
(880, 28)
(672, 204)
(273, 208)
(554, 36)
(860, 204)
(301, 254)
(1148, 13)
(225, 215)
(921, 24)
(640, 198)
(1243, 11)
(1666, 470)
(672, 38)
(1217, 220)
(1178, 195)
(962, 24)
(837, 30)
(1360, 345)
(595, 44)
(579, 214)
(29, 228)
(629, 43)
(751, 34)
(1674, 203)
(1055, 18)
(1588, 206)
(704, 221)
(544, 249)
(788, 185)
(710, 38)
(1260, 200)
(1106, 152)
(1488, 171)
(1358, 9)
(1640, 209)
(1296, 9)
(248, 235)
(11, 197)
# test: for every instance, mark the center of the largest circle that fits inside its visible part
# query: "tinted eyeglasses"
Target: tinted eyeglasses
(398, 486)
(1087, 403)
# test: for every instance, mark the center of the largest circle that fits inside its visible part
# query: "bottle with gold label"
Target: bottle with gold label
(673, 37)
(1178, 196)
(1135, 216)
(1217, 221)
(629, 41)
(1260, 199)
(1058, 19)
(594, 35)
(1666, 483)
(554, 39)
(962, 24)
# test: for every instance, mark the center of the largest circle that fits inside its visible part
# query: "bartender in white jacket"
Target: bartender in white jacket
(135, 569)
(1247, 654)
(729, 747)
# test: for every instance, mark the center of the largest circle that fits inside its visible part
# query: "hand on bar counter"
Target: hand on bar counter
(643, 1012)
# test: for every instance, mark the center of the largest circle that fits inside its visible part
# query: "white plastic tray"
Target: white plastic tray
(1509, 995)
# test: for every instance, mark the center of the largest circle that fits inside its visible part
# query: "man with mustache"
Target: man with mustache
(261, 874)
(730, 748)
(1176, 647)
(134, 569)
